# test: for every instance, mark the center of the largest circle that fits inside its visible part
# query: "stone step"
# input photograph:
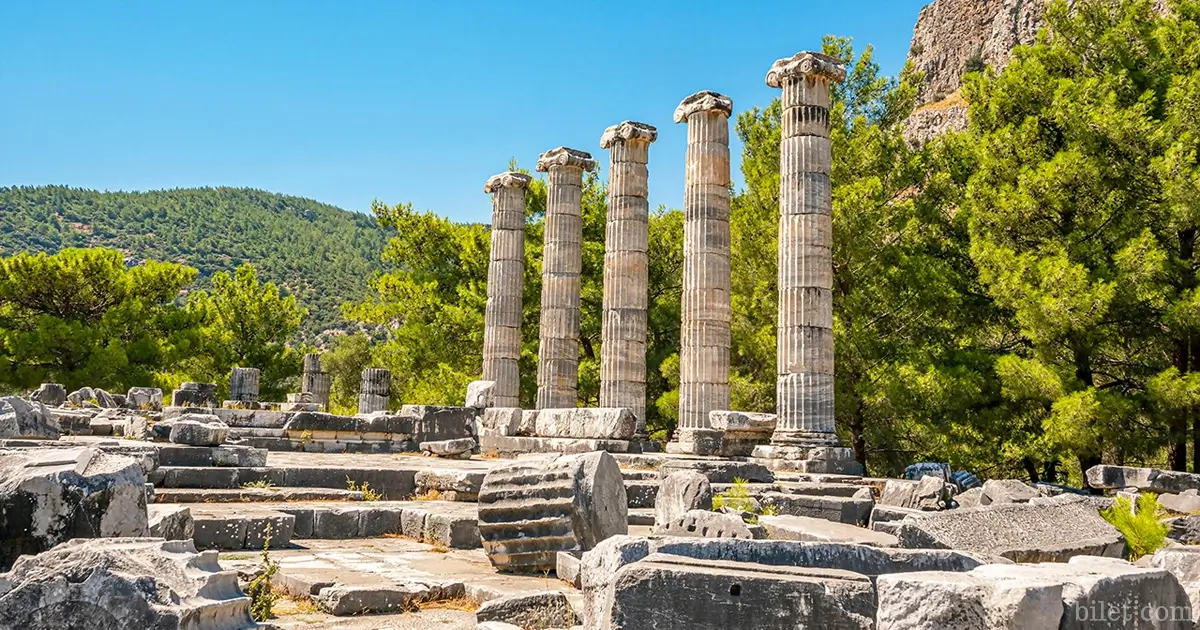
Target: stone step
(638, 474)
(641, 494)
(641, 516)
(443, 523)
(232, 526)
(253, 495)
(394, 483)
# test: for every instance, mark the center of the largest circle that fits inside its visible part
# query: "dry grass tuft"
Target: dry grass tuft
(465, 604)
(431, 494)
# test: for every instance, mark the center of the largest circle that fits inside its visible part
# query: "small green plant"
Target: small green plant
(916, 49)
(262, 596)
(305, 439)
(1144, 532)
(770, 510)
(975, 64)
(365, 489)
(737, 497)
(259, 483)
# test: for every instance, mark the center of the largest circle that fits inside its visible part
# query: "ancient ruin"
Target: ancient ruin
(704, 332)
(138, 511)
(626, 270)
(562, 260)
(506, 286)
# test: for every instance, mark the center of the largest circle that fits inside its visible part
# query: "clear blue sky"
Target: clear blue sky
(349, 101)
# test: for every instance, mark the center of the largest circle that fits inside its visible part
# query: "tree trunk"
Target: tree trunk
(1030, 469)
(858, 434)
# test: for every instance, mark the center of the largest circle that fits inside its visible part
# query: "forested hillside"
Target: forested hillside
(321, 254)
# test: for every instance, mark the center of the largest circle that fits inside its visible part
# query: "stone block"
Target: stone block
(804, 528)
(462, 481)
(935, 599)
(459, 448)
(456, 531)
(479, 394)
(171, 522)
(343, 600)
(1106, 477)
(50, 394)
(433, 423)
(969, 498)
(529, 510)
(1186, 502)
(849, 510)
(534, 610)
(374, 522)
(679, 493)
(567, 567)
(123, 583)
(199, 430)
(719, 471)
(1052, 531)
(51, 495)
(718, 595)
(144, 398)
(706, 524)
(582, 422)
(336, 523)
(191, 394)
(500, 421)
(22, 419)
(1184, 529)
(1006, 491)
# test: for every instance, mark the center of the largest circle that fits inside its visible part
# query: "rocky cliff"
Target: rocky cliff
(954, 37)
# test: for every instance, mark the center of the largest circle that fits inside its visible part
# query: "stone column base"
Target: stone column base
(820, 459)
(696, 442)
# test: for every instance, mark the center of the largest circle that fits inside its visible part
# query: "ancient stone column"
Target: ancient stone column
(804, 389)
(506, 287)
(243, 384)
(626, 270)
(314, 380)
(562, 261)
(376, 390)
(705, 335)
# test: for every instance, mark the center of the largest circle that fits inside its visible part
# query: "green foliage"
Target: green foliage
(316, 252)
(1143, 529)
(975, 64)
(369, 494)
(260, 483)
(248, 324)
(81, 317)
(262, 595)
(344, 361)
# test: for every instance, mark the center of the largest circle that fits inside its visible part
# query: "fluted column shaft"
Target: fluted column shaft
(705, 334)
(243, 384)
(505, 289)
(805, 385)
(375, 391)
(562, 261)
(626, 270)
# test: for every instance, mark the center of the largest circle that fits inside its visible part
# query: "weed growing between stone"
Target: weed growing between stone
(365, 489)
(1142, 527)
(261, 483)
(262, 596)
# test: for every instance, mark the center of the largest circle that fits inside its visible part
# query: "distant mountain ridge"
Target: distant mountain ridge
(322, 254)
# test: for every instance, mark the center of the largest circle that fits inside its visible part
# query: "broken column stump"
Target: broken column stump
(531, 510)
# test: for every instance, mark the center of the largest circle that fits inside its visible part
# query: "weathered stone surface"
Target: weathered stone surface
(170, 521)
(144, 398)
(1006, 491)
(1153, 479)
(742, 431)
(969, 498)
(805, 528)
(449, 448)
(535, 610)
(719, 595)
(243, 384)
(600, 565)
(375, 390)
(199, 430)
(81, 395)
(50, 495)
(679, 493)
(929, 493)
(567, 567)
(1105, 593)
(1053, 530)
(1186, 502)
(963, 601)
(585, 422)
(697, 441)
(719, 471)
(120, 584)
(106, 400)
(706, 524)
(479, 394)
(529, 510)
(501, 421)
(72, 421)
(191, 394)
(849, 510)
(434, 422)
(1184, 529)
(22, 419)
(344, 600)
(50, 394)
